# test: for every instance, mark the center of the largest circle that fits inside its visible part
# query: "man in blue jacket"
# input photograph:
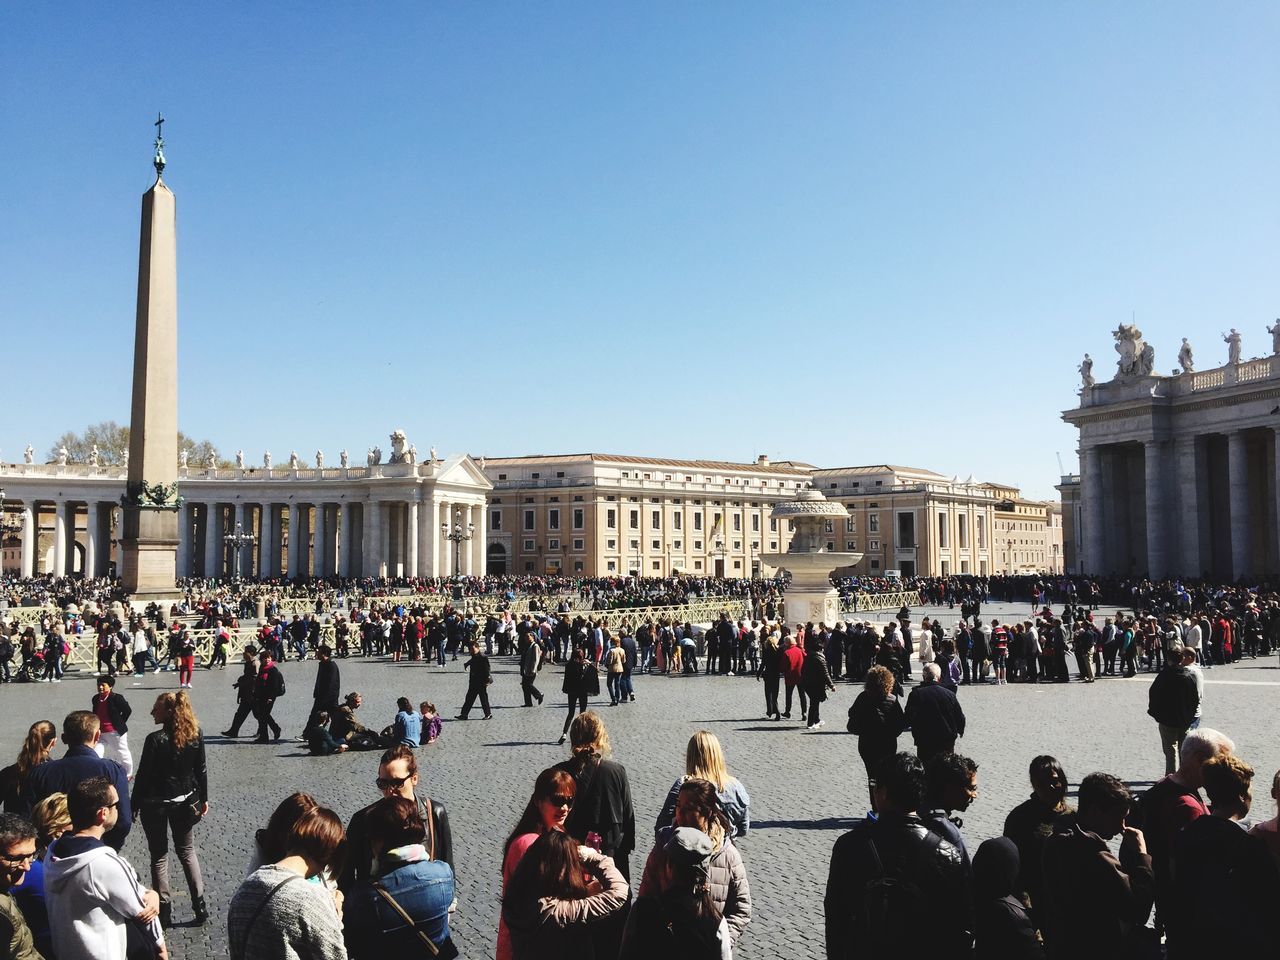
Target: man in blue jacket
(81, 731)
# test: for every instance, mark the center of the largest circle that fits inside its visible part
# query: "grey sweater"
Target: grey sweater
(299, 922)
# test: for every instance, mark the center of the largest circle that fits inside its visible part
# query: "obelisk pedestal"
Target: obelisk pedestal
(149, 551)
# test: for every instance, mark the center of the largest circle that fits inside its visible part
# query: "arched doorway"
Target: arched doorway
(496, 560)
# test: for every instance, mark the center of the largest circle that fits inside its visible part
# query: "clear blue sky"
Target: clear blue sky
(841, 233)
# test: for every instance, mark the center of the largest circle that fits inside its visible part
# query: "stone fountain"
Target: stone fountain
(810, 596)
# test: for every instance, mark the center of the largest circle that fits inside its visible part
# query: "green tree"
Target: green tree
(112, 441)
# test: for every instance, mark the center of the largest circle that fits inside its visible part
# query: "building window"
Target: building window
(697, 521)
(579, 544)
(655, 520)
(697, 564)
(873, 523)
(611, 544)
(553, 519)
(502, 476)
(755, 523)
(611, 519)
(577, 566)
(875, 564)
(873, 545)
(773, 524)
(559, 474)
(553, 544)
(656, 544)
(697, 544)
(962, 531)
(737, 564)
(829, 526)
(528, 545)
(851, 544)
(536, 475)
(831, 546)
(657, 565)
(528, 519)
(528, 565)
(677, 520)
(737, 544)
(635, 519)
(850, 526)
(677, 545)
(737, 523)
(612, 566)
(495, 520)
(773, 544)
(944, 529)
(579, 518)
(635, 544)
(982, 533)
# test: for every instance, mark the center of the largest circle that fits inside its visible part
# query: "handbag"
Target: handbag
(445, 950)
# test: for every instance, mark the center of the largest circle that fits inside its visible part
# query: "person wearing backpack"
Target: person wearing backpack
(267, 688)
(890, 872)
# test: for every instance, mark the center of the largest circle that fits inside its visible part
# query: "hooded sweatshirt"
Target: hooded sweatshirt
(92, 892)
(1004, 931)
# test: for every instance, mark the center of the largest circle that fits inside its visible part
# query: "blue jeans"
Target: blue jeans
(625, 689)
(615, 687)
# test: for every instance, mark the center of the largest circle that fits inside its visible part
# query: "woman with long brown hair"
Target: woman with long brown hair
(36, 749)
(171, 792)
(876, 718)
(548, 808)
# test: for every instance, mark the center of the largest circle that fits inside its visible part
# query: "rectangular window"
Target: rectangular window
(697, 564)
(635, 519)
(829, 526)
(831, 546)
(982, 533)
(536, 475)
(502, 476)
(553, 544)
(873, 546)
(850, 525)
(944, 529)
(755, 523)
(773, 524)
(697, 521)
(495, 520)
(656, 544)
(657, 565)
(528, 545)
(962, 531)
(635, 544)
(655, 520)
(677, 520)
(873, 523)
(737, 523)
(677, 545)
(577, 566)
(579, 544)
(611, 519)
(553, 519)
(851, 545)
(611, 544)
(613, 566)
(579, 518)
(697, 544)
(528, 565)
(528, 519)
(773, 544)
(737, 544)
(875, 564)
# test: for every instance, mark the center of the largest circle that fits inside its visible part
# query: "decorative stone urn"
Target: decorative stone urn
(810, 597)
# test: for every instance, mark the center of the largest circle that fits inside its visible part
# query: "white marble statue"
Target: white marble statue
(184, 456)
(434, 456)
(319, 459)
(1274, 330)
(94, 456)
(482, 461)
(344, 459)
(1137, 357)
(1185, 360)
(1086, 372)
(293, 459)
(211, 461)
(369, 457)
(29, 454)
(62, 456)
(413, 453)
(239, 459)
(377, 455)
(266, 460)
(1232, 340)
(399, 447)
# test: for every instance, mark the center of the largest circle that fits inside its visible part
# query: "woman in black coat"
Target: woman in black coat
(815, 678)
(770, 670)
(581, 681)
(877, 718)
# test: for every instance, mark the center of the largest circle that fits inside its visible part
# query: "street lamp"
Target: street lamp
(458, 534)
(238, 541)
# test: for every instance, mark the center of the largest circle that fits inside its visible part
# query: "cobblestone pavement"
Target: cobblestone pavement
(805, 788)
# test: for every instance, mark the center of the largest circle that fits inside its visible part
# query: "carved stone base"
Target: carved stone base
(149, 553)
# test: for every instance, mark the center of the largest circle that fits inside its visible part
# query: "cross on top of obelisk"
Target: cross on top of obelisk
(159, 157)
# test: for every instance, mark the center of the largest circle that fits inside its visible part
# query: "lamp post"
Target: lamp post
(237, 542)
(458, 534)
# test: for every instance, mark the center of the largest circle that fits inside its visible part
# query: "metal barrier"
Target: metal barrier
(871, 602)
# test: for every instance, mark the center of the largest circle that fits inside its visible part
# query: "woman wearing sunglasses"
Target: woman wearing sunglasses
(552, 799)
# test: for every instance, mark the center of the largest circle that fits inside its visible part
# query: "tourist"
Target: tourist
(1002, 929)
(547, 809)
(113, 711)
(346, 729)
(1225, 882)
(268, 687)
(397, 776)
(1033, 821)
(184, 646)
(549, 905)
(891, 878)
(627, 690)
(792, 674)
(17, 855)
(80, 732)
(406, 728)
(327, 688)
(1095, 902)
(92, 893)
(602, 803)
(320, 741)
(1172, 702)
(698, 807)
(951, 785)
(479, 677)
(530, 664)
(877, 720)
(431, 722)
(615, 662)
(51, 820)
(815, 680)
(269, 841)
(171, 793)
(676, 915)
(37, 748)
(934, 715)
(403, 910)
(244, 691)
(1269, 830)
(581, 681)
(770, 670)
(704, 760)
(275, 914)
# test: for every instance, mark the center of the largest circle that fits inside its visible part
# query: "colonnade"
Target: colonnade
(76, 549)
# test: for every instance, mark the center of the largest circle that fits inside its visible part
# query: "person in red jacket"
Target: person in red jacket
(792, 663)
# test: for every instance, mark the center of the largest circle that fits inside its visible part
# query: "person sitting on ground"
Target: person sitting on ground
(346, 728)
(431, 722)
(677, 917)
(320, 740)
(1002, 929)
(406, 728)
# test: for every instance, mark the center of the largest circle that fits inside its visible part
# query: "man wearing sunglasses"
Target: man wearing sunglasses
(17, 851)
(397, 776)
(91, 891)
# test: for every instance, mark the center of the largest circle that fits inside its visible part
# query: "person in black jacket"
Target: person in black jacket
(580, 682)
(327, 690)
(876, 718)
(171, 792)
(268, 687)
(477, 683)
(113, 711)
(1172, 702)
(1003, 931)
(244, 691)
(770, 670)
(815, 678)
(934, 715)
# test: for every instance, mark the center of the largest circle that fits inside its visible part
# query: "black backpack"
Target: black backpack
(892, 904)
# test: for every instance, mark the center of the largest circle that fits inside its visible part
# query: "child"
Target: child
(431, 723)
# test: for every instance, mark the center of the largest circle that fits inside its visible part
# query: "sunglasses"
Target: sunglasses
(560, 800)
(390, 783)
(18, 861)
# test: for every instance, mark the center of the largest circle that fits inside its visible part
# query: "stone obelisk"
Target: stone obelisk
(150, 546)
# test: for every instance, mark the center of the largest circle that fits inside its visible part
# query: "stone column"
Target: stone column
(318, 566)
(28, 539)
(275, 522)
(1276, 481)
(93, 543)
(385, 510)
(1091, 519)
(374, 522)
(428, 532)
(212, 540)
(346, 538)
(297, 540)
(411, 539)
(1238, 485)
(1188, 487)
(478, 538)
(264, 538)
(1159, 516)
(60, 514)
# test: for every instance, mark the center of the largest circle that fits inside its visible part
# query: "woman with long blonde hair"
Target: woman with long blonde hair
(36, 749)
(704, 760)
(171, 792)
